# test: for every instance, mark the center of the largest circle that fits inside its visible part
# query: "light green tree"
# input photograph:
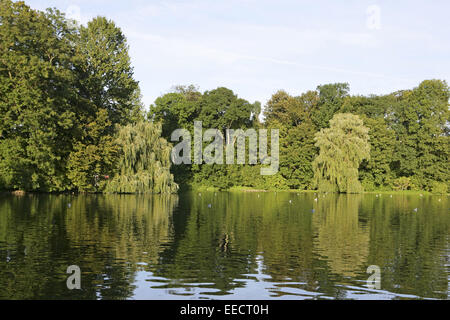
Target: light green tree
(144, 161)
(342, 147)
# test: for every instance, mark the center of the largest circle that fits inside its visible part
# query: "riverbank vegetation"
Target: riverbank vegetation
(70, 107)
(72, 120)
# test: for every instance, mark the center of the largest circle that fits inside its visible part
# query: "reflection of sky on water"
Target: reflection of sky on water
(149, 287)
(258, 286)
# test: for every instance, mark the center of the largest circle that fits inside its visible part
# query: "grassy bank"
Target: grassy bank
(250, 189)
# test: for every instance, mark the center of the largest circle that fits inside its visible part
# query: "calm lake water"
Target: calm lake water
(224, 246)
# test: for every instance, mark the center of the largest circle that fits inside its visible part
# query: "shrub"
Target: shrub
(403, 183)
(439, 187)
(368, 185)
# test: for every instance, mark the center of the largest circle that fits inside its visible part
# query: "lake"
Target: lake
(225, 245)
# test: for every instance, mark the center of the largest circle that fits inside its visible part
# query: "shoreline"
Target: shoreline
(20, 193)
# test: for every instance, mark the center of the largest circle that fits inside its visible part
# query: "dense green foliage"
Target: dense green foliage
(343, 146)
(219, 108)
(63, 91)
(38, 97)
(68, 103)
(408, 137)
(144, 162)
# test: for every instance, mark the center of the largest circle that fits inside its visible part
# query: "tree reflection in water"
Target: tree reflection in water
(217, 245)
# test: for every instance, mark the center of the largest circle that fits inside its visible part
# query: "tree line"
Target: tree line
(73, 120)
(329, 140)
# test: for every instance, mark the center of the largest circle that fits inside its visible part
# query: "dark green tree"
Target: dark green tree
(38, 97)
(331, 99)
(421, 122)
(94, 157)
(292, 115)
(222, 109)
(375, 172)
(105, 72)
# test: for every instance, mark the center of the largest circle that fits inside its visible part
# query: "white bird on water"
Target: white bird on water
(415, 210)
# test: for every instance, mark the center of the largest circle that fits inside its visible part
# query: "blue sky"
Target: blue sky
(256, 47)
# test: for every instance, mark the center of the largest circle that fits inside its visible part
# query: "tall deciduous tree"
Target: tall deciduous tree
(421, 124)
(94, 156)
(37, 97)
(222, 109)
(376, 172)
(292, 115)
(289, 110)
(331, 99)
(108, 95)
(175, 110)
(105, 71)
(297, 152)
(342, 148)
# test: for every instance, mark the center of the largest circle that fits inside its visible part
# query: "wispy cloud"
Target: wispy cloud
(257, 47)
(188, 49)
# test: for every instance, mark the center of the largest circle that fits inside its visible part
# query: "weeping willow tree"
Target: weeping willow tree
(144, 163)
(342, 147)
